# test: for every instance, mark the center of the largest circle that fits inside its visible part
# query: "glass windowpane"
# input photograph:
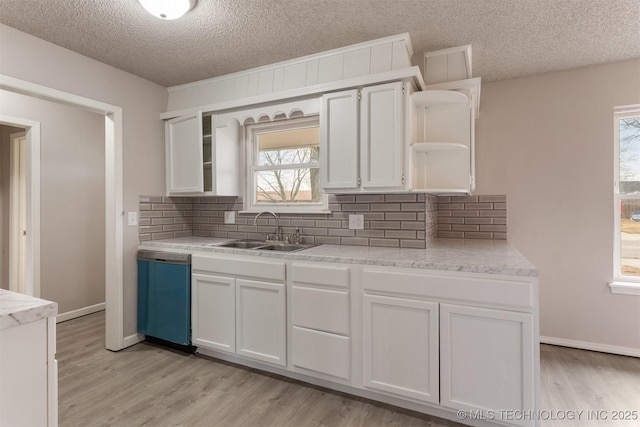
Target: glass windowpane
(629, 131)
(288, 146)
(630, 237)
(288, 186)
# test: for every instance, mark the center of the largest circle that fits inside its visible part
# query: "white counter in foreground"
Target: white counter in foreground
(28, 369)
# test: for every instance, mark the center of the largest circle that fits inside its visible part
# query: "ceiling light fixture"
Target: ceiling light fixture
(168, 9)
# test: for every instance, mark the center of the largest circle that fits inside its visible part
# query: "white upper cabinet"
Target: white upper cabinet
(184, 153)
(339, 140)
(363, 141)
(382, 125)
(201, 158)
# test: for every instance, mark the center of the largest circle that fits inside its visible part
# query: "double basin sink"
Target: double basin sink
(264, 246)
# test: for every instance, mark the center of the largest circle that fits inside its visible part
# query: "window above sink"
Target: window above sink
(283, 166)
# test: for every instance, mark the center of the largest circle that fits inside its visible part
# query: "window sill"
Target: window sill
(625, 288)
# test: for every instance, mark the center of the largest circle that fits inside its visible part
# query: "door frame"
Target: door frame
(19, 188)
(114, 218)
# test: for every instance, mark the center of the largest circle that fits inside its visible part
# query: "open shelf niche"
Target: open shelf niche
(441, 159)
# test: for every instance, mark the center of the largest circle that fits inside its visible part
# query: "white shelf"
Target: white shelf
(423, 147)
(439, 98)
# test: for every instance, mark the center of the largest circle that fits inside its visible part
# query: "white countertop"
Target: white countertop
(475, 256)
(18, 309)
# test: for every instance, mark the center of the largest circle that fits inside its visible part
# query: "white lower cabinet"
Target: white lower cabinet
(235, 314)
(487, 360)
(401, 347)
(214, 312)
(261, 325)
(433, 341)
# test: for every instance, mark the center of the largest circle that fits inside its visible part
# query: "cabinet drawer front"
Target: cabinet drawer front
(320, 275)
(321, 309)
(246, 267)
(321, 352)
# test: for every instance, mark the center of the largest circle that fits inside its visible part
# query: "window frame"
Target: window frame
(252, 131)
(622, 284)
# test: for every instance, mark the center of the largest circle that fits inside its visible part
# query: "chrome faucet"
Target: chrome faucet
(255, 223)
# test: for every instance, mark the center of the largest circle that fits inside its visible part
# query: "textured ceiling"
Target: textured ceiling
(510, 38)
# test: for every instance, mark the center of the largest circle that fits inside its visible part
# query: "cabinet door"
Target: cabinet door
(401, 346)
(183, 137)
(261, 321)
(486, 359)
(339, 140)
(382, 124)
(213, 312)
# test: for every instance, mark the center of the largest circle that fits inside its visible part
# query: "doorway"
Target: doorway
(20, 231)
(114, 227)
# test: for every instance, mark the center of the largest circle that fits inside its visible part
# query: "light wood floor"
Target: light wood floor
(146, 385)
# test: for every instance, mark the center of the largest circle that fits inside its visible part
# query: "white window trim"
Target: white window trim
(251, 153)
(628, 285)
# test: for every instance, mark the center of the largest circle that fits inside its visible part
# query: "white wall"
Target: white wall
(72, 200)
(29, 58)
(546, 142)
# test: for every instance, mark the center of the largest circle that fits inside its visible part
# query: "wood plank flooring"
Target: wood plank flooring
(146, 385)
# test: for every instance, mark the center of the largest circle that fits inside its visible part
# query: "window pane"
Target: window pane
(288, 186)
(629, 155)
(630, 237)
(288, 146)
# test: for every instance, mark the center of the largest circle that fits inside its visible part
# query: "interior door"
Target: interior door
(18, 214)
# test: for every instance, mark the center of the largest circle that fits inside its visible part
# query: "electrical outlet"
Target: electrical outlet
(230, 217)
(132, 218)
(356, 222)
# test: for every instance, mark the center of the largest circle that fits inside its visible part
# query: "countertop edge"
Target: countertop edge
(27, 309)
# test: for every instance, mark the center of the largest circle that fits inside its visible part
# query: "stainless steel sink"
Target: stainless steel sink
(284, 247)
(264, 246)
(243, 244)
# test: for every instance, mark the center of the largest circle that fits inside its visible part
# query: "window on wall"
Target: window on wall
(283, 158)
(627, 193)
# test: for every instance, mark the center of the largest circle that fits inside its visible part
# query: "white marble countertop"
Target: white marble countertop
(475, 256)
(17, 309)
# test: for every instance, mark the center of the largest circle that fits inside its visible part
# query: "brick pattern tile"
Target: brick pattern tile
(165, 217)
(472, 217)
(392, 220)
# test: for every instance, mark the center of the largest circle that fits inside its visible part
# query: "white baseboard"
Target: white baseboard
(80, 312)
(132, 340)
(592, 346)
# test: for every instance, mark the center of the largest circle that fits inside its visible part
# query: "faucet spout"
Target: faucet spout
(255, 221)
